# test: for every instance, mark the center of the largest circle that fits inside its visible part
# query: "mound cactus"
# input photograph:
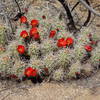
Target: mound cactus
(2, 35)
(5, 63)
(95, 58)
(46, 48)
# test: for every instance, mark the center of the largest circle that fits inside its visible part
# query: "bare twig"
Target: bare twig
(94, 15)
(89, 12)
(18, 6)
(89, 15)
(75, 6)
(71, 24)
(89, 8)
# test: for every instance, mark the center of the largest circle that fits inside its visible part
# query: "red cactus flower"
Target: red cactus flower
(52, 34)
(61, 42)
(24, 34)
(34, 23)
(44, 17)
(2, 48)
(57, 29)
(13, 76)
(46, 71)
(69, 41)
(36, 36)
(33, 31)
(30, 72)
(90, 35)
(88, 48)
(77, 73)
(26, 9)
(23, 19)
(21, 49)
(93, 42)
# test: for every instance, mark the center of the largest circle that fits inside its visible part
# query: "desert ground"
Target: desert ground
(87, 89)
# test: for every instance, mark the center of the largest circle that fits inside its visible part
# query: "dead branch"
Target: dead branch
(71, 24)
(89, 8)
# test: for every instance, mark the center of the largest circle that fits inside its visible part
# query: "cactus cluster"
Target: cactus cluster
(95, 58)
(60, 55)
(2, 35)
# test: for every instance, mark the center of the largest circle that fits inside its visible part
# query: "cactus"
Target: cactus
(79, 51)
(18, 31)
(12, 48)
(34, 49)
(64, 58)
(95, 58)
(58, 75)
(2, 35)
(36, 63)
(50, 61)
(48, 46)
(96, 37)
(62, 61)
(2, 49)
(75, 67)
(18, 68)
(83, 38)
(5, 63)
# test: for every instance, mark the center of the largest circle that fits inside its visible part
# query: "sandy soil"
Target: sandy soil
(55, 92)
(50, 91)
(85, 89)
